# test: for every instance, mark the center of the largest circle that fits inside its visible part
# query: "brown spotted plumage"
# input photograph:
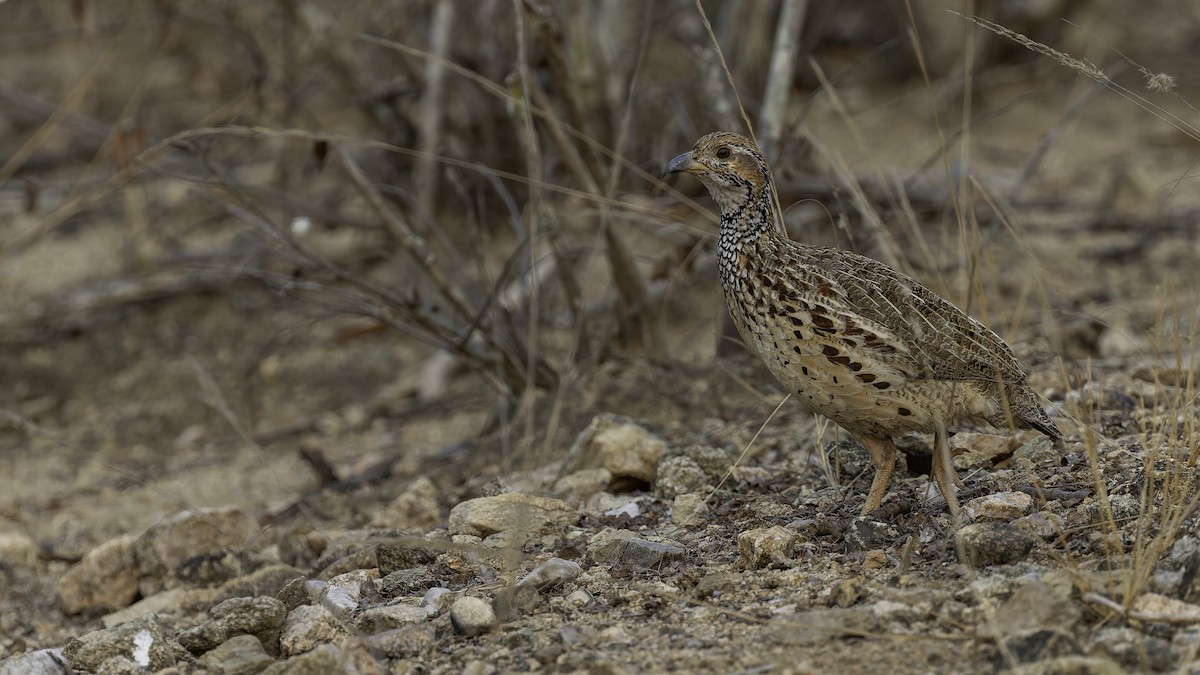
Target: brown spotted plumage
(856, 341)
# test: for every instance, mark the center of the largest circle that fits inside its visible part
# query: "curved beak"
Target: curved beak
(682, 163)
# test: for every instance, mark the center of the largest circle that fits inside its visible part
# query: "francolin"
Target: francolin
(854, 340)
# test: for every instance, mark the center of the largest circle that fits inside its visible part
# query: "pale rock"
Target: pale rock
(626, 449)
(342, 593)
(17, 549)
(514, 511)
(41, 662)
(145, 642)
(762, 547)
(261, 617)
(471, 616)
(1003, 506)
(168, 544)
(389, 617)
(577, 487)
(239, 655)
(689, 510)
(308, 626)
(106, 579)
(416, 508)
(343, 656)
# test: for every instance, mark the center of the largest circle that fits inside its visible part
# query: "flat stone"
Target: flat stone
(261, 617)
(392, 557)
(983, 544)
(413, 581)
(106, 579)
(512, 511)
(41, 662)
(1001, 506)
(577, 487)
(169, 544)
(552, 573)
(1033, 607)
(239, 655)
(622, 549)
(389, 617)
(980, 449)
(764, 547)
(145, 642)
(344, 656)
(403, 642)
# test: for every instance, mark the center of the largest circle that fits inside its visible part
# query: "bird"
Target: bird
(868, 347)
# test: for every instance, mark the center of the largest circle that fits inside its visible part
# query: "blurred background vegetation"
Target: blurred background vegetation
(458, 201)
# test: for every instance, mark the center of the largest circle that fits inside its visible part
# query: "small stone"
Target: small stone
(414, 509)
(866, 533)
(512, 511)
(1136, 651)
(435, 599)
(1072, 665)
(344, 656)
(1038, 451)
(41, 662)
(389, 617)
(413, 581)
(269, 580)
(239, 655)
(766, 547)
(17, 549)
(471, 616)
(177, 601)
(689, 510)
(171, 543)
(1039, 645)
(1044, 525)
(678, 475)
(577, 487)
(983, 544)
(552, 573)
(391, 557)
(342, 593)
(1034, 607)
(875, 559)
(1166, 609)
(106, 579)
(980, 449)
(261, 617)
(404, 642)
(308, 626)
(626, 449)
(845, 593)
(623, 550)
(145, 642)
(579, 598)
(1002, 506)
(294, 593)
(1124, 507)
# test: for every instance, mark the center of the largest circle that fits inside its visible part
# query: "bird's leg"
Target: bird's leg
(943, 469)
(883, 457)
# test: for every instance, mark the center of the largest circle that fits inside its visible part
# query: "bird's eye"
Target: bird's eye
(723, 152)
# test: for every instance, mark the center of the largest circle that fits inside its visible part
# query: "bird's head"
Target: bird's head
(730, 166)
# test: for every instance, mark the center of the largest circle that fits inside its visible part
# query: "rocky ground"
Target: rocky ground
(220, 477)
